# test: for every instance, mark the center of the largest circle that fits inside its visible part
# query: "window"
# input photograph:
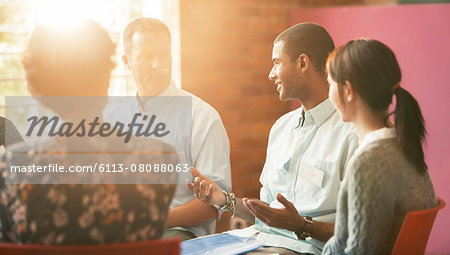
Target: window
(18, 18)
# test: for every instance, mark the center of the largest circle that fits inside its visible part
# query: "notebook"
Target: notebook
(224, 243)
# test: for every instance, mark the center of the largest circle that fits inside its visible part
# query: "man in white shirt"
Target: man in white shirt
(147, 53)
(307, 152)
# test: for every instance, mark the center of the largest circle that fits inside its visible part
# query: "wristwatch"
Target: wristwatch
(306, 230)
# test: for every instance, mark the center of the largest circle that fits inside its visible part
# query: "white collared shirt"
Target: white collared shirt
(297, 157)
(209, 151)
(379, 134)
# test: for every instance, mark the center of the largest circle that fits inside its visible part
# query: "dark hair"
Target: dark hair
(372, 69)
(66, 62)
(310, 39)
(142, 24)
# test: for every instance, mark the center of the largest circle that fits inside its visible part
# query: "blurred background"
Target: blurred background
(18, 18)
(222, 53)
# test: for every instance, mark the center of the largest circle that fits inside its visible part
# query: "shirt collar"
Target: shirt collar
(379, 134)
(319, 114)
(169, 91)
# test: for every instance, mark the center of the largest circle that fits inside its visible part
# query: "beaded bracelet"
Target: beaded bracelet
(230, 205)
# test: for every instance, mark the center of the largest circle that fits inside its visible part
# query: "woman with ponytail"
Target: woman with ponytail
(387, 176)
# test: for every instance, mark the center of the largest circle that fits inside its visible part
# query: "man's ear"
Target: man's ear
(349, 92)
(303, 62)
(125, 61)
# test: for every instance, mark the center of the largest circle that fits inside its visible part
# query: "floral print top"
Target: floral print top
(83, 213)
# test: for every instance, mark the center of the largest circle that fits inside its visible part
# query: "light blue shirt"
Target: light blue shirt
(208, 152)
(305, 164)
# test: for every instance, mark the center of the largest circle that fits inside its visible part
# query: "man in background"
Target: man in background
(147, 54)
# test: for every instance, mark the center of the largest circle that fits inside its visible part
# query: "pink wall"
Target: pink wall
(420, 37)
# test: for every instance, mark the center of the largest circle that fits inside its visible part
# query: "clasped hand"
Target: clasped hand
(286, 217)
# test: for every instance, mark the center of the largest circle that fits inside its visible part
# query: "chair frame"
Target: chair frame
(161, 246)
(412, 238)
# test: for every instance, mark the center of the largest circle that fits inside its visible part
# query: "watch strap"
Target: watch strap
(306, 230)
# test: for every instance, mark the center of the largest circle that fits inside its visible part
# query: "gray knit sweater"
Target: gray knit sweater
(379, 188)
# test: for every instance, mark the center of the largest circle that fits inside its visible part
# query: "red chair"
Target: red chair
(154, 247)
(413, 236)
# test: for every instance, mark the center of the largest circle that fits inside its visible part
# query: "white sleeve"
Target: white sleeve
(211, 147)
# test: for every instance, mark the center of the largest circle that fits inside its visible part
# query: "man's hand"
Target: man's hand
(286, 217)
(205, 189)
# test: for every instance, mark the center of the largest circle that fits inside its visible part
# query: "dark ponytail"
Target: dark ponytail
(372, 69)
(410, 128)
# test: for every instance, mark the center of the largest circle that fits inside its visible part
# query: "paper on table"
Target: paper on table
(219, 244)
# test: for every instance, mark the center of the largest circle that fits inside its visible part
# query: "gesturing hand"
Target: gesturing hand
(286, 217)
(205, 189)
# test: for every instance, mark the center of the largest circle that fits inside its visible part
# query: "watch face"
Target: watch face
(302, 235)
(305, 235)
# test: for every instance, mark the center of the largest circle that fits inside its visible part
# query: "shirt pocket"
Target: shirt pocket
(314, 178)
